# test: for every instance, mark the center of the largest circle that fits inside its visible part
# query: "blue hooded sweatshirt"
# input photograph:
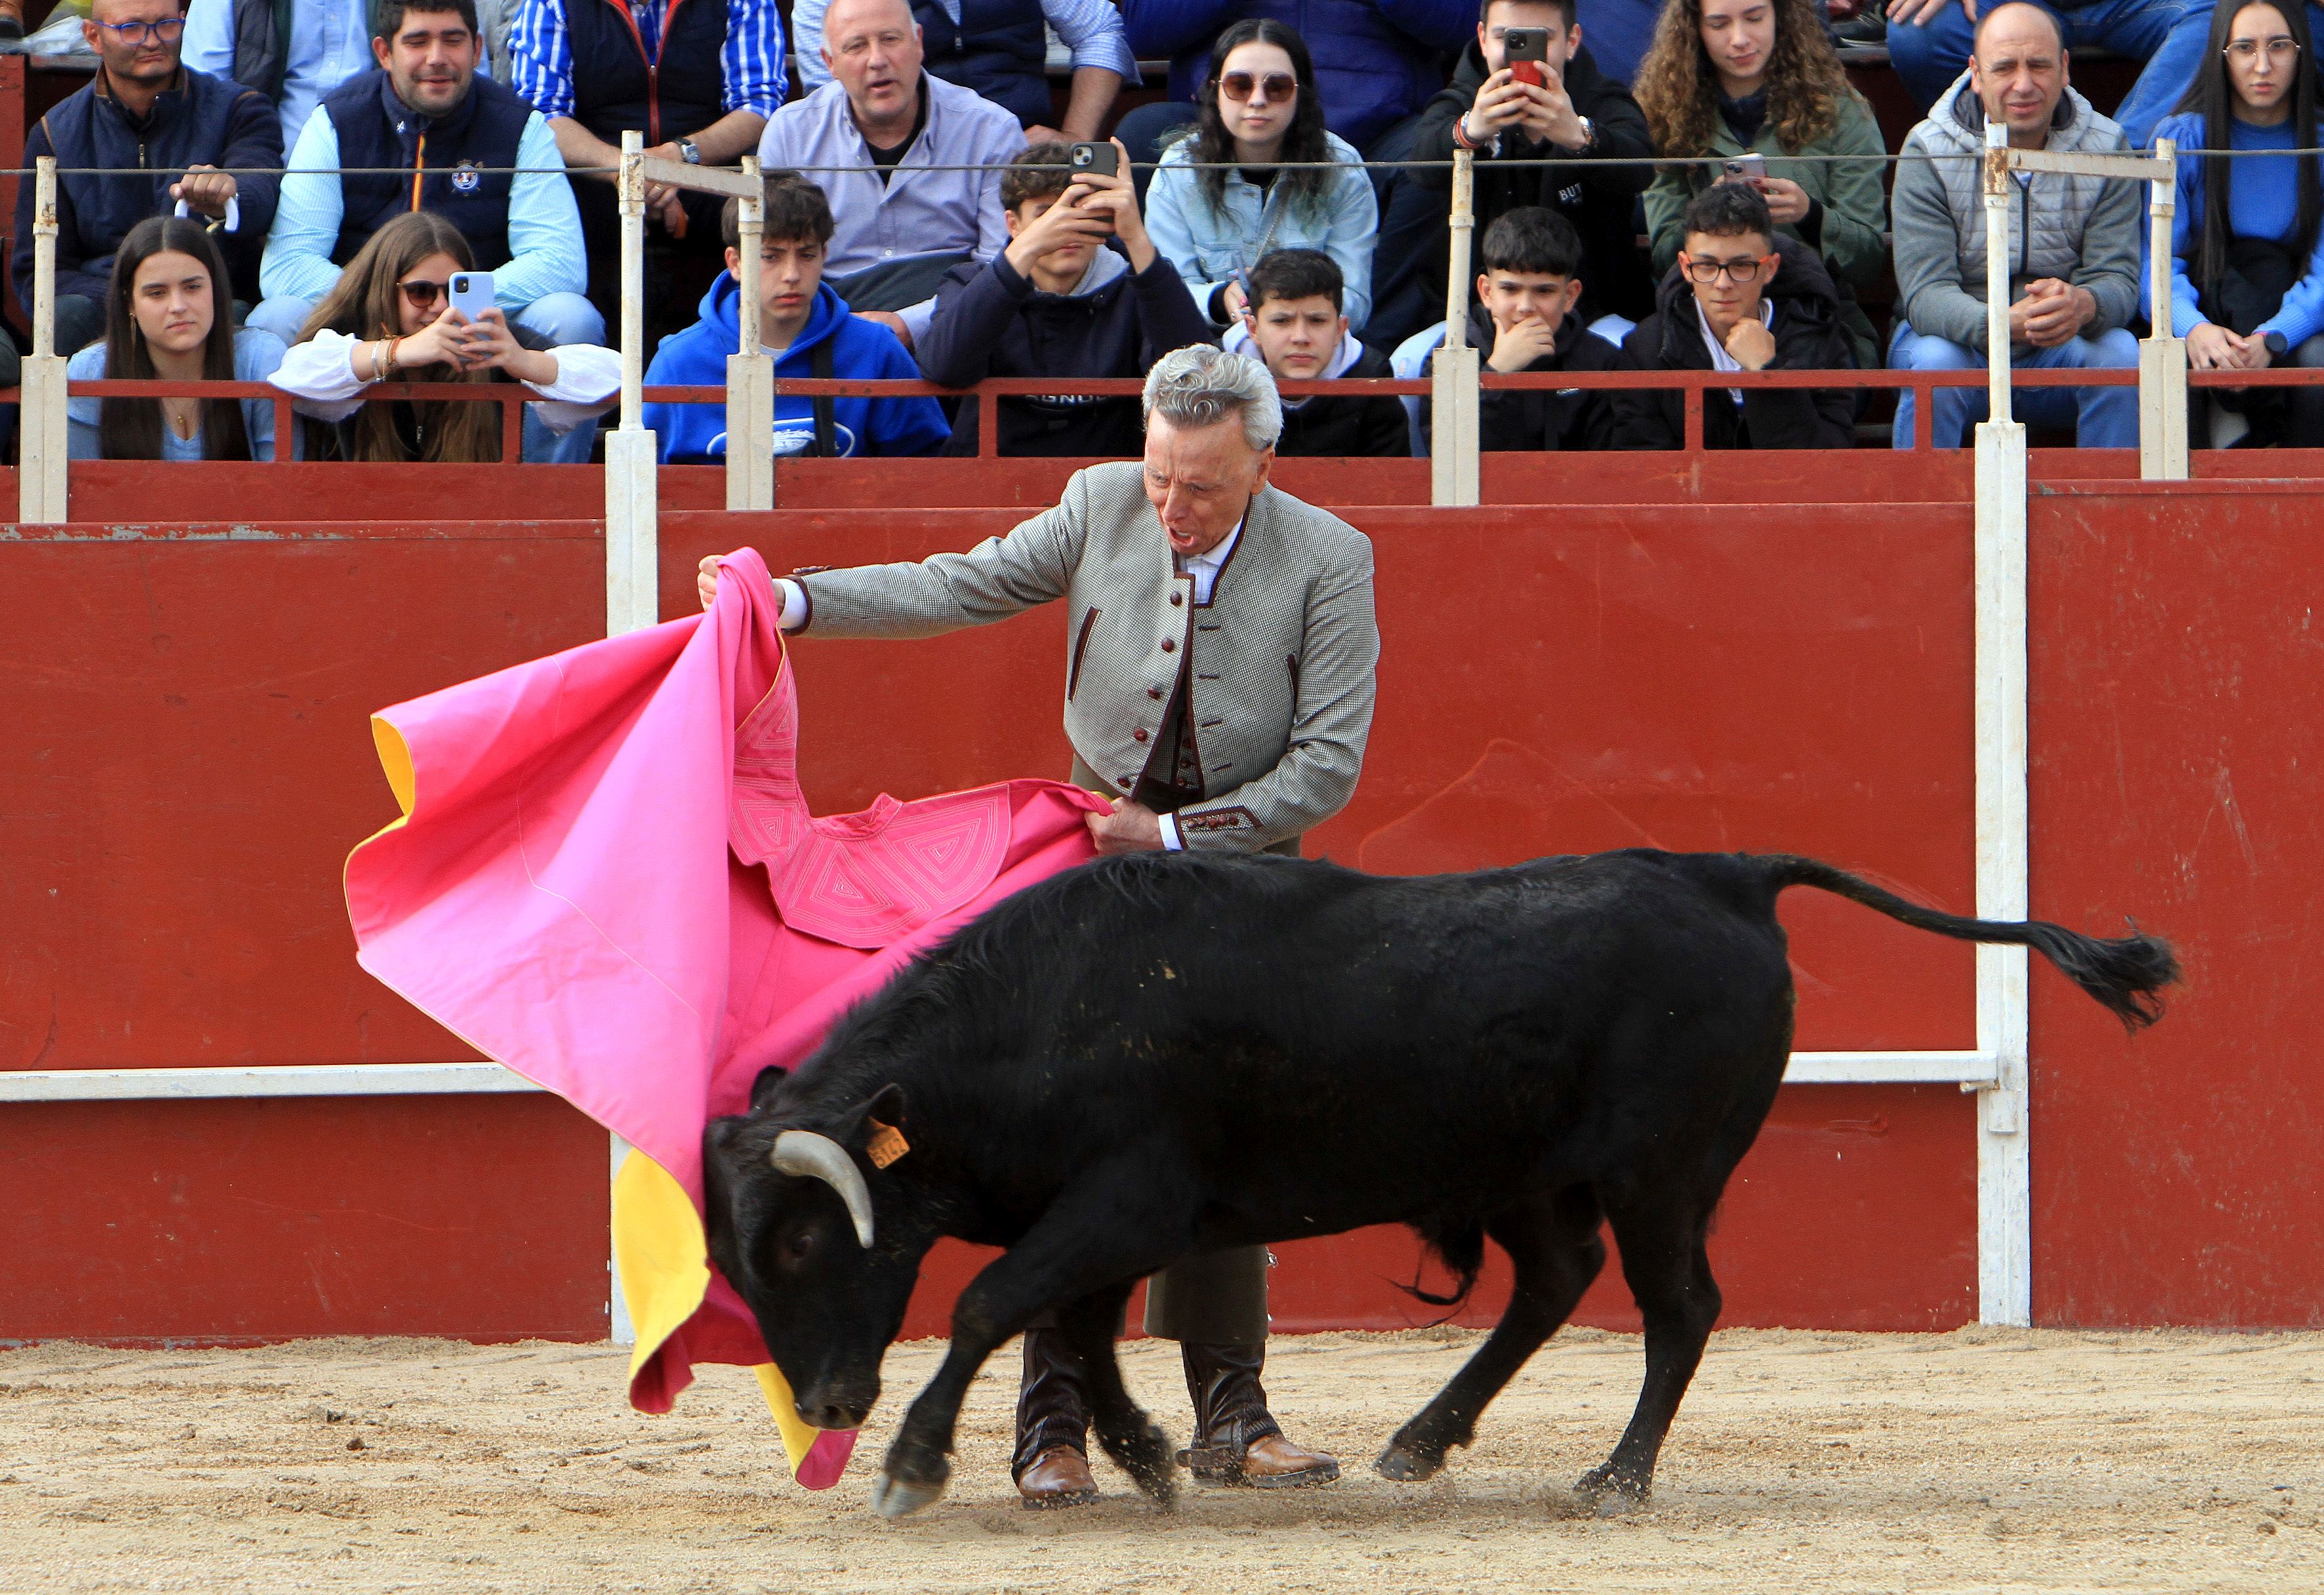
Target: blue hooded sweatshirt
(858, 349)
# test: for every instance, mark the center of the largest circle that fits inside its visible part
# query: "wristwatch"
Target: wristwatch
(2278, 345)
(1589, 131)
(689, 152)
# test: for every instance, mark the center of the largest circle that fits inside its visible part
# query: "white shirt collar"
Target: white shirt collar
(1720, 360)
(1205, 567)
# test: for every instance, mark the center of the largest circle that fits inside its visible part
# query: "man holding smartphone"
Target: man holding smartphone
(1542, 99)
(1080, 291)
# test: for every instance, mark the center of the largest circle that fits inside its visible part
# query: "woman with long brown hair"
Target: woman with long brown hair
(1731, 89)
(169, 314)
(390, 318)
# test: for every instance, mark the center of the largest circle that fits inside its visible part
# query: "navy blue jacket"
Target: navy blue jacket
(200, 120)
(992, 321)
(998, 48)
(677, 93)
(377, 129)
(1376, 60)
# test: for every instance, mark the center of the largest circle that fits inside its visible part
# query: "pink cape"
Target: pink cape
(606, 878)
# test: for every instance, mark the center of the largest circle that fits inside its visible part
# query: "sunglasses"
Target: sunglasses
(1279, 86)
(421, 292)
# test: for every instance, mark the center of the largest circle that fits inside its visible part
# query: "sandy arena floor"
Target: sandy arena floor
(1802, 1462)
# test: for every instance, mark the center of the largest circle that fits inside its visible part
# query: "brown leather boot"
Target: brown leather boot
(1051, 1466)
(1236, 1440)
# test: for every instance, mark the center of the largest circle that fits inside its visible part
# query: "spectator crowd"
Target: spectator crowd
(331, 194)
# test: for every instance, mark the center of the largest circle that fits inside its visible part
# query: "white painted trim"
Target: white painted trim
(296, 1080)
(263, 1080)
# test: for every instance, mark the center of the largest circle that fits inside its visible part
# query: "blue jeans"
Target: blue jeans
(561, 318)
(2169, 36)
(2102, 417)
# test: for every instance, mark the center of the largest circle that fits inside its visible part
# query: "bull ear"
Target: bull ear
(887, 1106)
(763, 1088)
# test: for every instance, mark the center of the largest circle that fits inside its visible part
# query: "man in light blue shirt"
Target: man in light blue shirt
(431, 113)
(999, 48)
(916, 189)
(330, 42)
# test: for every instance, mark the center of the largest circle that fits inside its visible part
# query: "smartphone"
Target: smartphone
(1526, 51)
(472, 293)
(1099, 160)
(1750, 168)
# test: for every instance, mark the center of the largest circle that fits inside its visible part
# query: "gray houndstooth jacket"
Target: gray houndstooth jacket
(1283, 655)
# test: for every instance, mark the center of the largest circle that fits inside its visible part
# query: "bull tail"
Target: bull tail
(1459, 1244)
(2125, 974)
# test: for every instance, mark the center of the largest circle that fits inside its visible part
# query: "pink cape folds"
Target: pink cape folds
(606, 878)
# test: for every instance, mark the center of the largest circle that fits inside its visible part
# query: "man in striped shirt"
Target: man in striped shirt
(698, 77)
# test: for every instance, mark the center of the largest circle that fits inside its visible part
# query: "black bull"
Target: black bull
(1158, 1056)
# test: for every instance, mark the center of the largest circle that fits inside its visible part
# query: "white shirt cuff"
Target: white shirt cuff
(1170, 842)
(232, 214)
(795, 605)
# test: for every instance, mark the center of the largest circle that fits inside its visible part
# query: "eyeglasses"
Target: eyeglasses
(421, 292)
(2245, 52)
(168, 31)
(1279, 86)
(1742, 269)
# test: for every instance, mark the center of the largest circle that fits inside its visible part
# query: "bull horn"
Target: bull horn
(819, 1157)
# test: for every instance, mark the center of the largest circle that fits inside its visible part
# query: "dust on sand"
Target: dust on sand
(1980, 1460)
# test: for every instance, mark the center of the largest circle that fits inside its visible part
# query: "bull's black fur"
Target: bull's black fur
(1162, 1055)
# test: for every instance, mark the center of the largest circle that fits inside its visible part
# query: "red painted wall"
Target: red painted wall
(189, 764)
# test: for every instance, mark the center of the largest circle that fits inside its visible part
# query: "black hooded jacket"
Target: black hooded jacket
(1600, 201)
(1809, 336)
(1510, 421)
(992, 321)
(1370, 427)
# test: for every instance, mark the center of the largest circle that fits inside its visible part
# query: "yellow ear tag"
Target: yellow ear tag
(887, 1144)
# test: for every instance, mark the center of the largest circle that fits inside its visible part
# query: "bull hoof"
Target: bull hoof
(1610, 1491)
(1406, 1466)
(896, 1497)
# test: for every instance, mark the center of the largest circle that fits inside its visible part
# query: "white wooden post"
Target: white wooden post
(751, 375)
(633, 578)
(1454, 401)
(2163, 357)
(633, 543)
(2004, 1278)
(40, 478)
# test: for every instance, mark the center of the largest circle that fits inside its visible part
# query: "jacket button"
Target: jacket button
(1176, 599)
(1155, 693)
(1138, 735)
(1169, 646)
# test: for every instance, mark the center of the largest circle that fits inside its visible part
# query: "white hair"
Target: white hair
(1199, 385)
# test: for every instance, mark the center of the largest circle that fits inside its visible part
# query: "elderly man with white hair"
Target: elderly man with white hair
(1219, 662)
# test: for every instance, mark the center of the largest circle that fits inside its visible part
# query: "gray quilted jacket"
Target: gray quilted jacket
(2082, 230)
(1282, 657)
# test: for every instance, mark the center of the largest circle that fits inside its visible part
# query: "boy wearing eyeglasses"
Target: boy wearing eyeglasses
(1528, 319)
(1740, 299)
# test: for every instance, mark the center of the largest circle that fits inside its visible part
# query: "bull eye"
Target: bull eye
(799, 1246)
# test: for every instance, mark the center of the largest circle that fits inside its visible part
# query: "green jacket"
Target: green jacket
(1851, 235)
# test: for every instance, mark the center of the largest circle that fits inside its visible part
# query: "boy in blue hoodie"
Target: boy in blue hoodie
(808, 330)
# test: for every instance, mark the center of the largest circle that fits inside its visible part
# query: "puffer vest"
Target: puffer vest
(998, 50)
(2050, 211)
(445, 162)
(674, 96)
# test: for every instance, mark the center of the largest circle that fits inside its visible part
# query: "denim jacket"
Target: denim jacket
(1207, 246)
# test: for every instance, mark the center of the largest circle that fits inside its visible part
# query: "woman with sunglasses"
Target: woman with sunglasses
(2247, 268)
(1222, 197)
(170, 315)
(390, 318)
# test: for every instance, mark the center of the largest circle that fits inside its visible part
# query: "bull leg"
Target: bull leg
(1130, 1437)
(1554, 1248)
(1669, 1272)
(1068, 1254)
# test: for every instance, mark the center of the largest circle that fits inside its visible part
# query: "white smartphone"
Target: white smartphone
(472, 293)
(1749, 168)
